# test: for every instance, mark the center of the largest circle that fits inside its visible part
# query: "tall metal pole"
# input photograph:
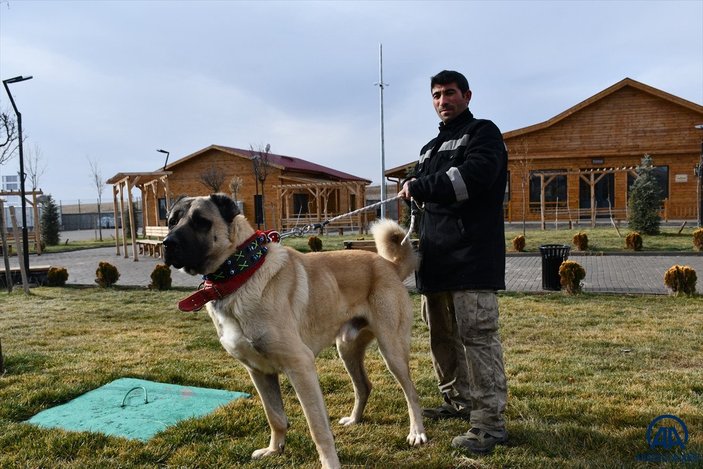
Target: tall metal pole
(381, 85)
(25, 239)
(698, 170)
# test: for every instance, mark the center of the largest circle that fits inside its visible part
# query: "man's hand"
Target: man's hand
(405, 191)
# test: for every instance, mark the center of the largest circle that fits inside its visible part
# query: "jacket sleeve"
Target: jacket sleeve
(483, 159)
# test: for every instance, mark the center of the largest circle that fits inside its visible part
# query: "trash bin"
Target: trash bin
(552, 257)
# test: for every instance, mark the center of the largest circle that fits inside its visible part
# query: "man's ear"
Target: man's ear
(227, 207)
(467, 96)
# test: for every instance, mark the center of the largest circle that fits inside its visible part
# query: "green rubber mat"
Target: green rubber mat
(134, 408)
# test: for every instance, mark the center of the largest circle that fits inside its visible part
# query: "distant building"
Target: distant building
(581, 163)
(294, 192)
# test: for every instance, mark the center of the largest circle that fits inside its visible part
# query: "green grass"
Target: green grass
(586, 375)
(601, 238)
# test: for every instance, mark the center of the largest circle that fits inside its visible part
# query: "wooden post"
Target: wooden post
(5, 253)
(115, 219)
(541, 202)
(132, 220)
(20, 251)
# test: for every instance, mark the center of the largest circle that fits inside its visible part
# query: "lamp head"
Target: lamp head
(17, 79)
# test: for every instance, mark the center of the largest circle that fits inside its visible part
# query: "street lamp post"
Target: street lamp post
(699, 190)
(25, 239)
(167, 153)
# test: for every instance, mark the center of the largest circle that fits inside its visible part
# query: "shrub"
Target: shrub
(681, 279)
(698, 239)
(56, 276)
(570, 275)
(315, 243)
(634, 241)
(519, 243)
(161, 277)
(581, 241)
(106, 275)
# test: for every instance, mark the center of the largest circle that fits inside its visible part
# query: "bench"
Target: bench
(152, 243)
(37, 275)
(31, 244)
(370, 244)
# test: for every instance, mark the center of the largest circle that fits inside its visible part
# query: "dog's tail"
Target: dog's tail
(388, 236)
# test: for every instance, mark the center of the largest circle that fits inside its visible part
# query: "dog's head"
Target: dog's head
(200, 233)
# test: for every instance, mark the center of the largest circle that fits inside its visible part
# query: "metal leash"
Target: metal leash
(316, 226)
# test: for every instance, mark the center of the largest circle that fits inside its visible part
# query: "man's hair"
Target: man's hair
(447, 77)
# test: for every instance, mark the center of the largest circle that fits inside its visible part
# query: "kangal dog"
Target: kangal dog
(292, 305)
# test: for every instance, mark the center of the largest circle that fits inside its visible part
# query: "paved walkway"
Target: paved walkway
(625, 273)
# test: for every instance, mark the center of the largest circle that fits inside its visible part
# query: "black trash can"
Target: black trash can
(552, 257)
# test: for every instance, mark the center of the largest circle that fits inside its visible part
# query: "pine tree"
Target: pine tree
(50, 223)
(645, 200)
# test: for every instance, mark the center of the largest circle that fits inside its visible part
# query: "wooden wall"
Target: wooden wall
(612, 131)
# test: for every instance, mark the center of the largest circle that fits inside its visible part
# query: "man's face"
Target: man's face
(449, 102)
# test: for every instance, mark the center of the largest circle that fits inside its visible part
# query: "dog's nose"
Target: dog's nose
(170, 242)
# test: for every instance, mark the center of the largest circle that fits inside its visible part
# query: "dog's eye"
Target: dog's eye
(173, 221)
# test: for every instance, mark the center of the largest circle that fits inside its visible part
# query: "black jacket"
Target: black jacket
(461, 178)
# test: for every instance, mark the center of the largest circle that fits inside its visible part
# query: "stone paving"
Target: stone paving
(621, 273)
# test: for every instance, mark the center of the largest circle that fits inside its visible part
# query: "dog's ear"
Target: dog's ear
(227, 207)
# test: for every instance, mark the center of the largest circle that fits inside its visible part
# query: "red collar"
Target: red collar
(238, 268)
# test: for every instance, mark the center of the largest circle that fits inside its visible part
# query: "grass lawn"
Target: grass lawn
(586, 376)
(601, 238)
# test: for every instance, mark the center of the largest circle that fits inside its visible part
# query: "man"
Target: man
(460, 178)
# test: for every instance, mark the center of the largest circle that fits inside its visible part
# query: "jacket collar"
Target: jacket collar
(457, 122)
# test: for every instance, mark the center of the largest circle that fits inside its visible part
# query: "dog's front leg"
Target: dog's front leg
(305, 381)
(269, 390)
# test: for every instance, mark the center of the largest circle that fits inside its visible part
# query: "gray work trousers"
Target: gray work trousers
(467, 354)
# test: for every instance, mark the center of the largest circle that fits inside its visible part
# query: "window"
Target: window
(661, 174)
(11, 183)
(162, 208)
(300, 203)
(554, 190)
(603, 191)
(352, 202)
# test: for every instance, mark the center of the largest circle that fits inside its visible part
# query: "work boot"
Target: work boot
(446, 411)
(480, 441)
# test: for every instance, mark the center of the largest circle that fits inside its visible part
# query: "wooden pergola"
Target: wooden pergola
(589, 176)
(321, 191)
(35, 208)
(122, 184)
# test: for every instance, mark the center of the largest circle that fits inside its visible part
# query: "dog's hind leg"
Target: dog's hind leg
(352, 354)
(394, 346)
(269, 390)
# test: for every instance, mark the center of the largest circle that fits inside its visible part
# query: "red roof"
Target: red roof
(287, 163)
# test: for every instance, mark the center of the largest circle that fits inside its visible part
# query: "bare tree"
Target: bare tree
(523, 165)
(97, 178)
(260, 160)
(235, 185)
(9, 137)
(212, 178)
(35, 166)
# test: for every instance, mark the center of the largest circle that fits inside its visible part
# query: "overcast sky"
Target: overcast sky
(114, 81)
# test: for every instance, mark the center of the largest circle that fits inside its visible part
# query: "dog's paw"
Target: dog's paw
(265, 452)
(417, 439)
(348, 421)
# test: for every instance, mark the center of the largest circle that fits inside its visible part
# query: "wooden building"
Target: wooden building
(290, 192)
(581, 163)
